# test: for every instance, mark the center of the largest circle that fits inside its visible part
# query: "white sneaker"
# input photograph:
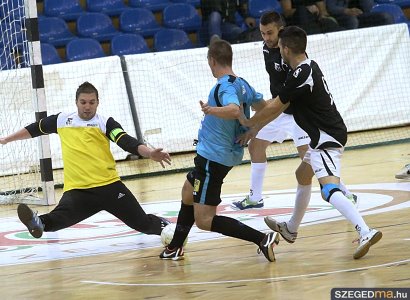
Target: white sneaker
(365, 241)
(281, 228)
(404, 173)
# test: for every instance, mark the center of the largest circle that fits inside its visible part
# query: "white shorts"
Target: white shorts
(282, 128)
(324, 162)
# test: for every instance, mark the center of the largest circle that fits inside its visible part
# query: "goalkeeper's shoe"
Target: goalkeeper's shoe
(31, 220)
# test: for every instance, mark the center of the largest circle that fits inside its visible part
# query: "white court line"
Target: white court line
(246, 280)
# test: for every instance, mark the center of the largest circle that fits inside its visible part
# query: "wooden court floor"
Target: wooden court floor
(227, 268)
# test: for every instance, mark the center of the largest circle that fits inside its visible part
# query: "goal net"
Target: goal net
(20, 178)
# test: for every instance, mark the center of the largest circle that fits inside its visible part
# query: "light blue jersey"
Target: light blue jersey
(217, 136)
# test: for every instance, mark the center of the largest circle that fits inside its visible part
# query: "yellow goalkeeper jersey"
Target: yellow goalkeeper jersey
(88, 161)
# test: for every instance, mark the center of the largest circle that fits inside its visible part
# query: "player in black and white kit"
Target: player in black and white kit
(279, 129)
(314, 110)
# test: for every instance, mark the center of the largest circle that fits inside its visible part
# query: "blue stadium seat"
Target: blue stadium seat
(258, 7)
(181, 16)
(83, 48)
(67, 9)
(153, 5)
(54, 30)
(49, 54)
(196, 3)
(394, 10)
(96, 25)
(171, 39)
(401, 3)
(109, 7)
(139, 20)
(128, 43)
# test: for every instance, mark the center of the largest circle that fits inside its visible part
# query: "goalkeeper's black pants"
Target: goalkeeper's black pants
(79, 204)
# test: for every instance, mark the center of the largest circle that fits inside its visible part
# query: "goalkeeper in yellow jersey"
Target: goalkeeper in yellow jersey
(91, 181)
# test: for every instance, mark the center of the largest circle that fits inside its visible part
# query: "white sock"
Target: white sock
(344, 189)
(257, 176)
(303, 193)
(349, 211)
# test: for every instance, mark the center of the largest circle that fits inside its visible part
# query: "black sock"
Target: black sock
(234, 228)
(184, 224)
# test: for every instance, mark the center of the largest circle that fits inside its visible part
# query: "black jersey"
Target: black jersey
(313, 107)
(277, 70)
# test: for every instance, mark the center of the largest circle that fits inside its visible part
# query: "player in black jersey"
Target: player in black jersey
(314, 110)
(278, 130)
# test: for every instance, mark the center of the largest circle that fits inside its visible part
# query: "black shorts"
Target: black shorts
(207, 179)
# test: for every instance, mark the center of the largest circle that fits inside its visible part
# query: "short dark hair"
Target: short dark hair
(221, 51)
(272, 17)
(86, 88)
(294, 38)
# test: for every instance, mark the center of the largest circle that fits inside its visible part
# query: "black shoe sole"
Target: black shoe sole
(25, 215)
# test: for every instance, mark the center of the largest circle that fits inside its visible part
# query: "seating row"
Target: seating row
(121, 44)
(54, 30)
(72, 9)
(88, 48)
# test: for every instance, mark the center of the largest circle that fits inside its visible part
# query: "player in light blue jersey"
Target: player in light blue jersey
(217, 136)
(218, 150)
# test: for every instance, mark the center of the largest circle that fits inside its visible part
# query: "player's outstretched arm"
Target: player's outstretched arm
(266, 115)
(155, 154)
(21, 134)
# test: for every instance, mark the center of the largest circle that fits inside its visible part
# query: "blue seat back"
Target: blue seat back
(49, 54)
(258, 7)
(181, 16)
(401, 3)
(139, 20)
(171, 39)
(96, 25)
(83, 48)
(196, 3)
(128, 43)
(54, 30)
(109, 7)
(66, 9)
(392, 9)
(153, 5)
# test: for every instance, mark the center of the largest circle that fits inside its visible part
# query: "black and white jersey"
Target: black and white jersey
(313, 107)
(277, 70)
